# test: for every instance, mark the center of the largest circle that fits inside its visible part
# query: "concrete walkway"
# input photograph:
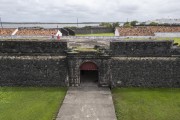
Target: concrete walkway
(87, 103)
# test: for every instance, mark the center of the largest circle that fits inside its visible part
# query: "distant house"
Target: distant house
(6, 31)
(36, 32)
(117, 33)
(164, 21)
(58, 33)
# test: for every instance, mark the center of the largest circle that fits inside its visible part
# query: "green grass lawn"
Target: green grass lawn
(18, 103)
(147, 104)
(99, 34)
(177, 40)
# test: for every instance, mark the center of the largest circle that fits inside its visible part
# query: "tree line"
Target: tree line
(134, 23)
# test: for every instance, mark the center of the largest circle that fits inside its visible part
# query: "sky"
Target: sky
(87, 10)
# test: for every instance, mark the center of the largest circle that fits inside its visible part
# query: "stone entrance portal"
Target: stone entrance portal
(88, 73)
(88, 67)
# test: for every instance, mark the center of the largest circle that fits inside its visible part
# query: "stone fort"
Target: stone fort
(143, 63)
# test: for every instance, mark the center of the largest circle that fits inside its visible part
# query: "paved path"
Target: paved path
(87, 103)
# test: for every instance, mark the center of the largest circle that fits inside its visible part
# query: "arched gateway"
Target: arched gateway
(88, 73)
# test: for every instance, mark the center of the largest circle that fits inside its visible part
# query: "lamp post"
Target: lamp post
(77, 22)
(1, 23)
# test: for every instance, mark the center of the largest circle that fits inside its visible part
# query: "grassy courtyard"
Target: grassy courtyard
(22, 103)
(176, 40)
(18, 103)
(147, 104)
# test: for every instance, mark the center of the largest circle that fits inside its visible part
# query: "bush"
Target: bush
(127, 24)
(133, 23)
(153, 24)
(106, 24)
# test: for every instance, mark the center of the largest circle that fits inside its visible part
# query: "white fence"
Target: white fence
(62, 37)
(159, 35)
(176, 34)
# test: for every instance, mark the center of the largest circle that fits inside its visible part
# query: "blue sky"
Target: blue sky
(87, 10)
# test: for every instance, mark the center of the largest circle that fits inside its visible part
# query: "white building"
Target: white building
(165, 21)
(117, 32)
(58, 33)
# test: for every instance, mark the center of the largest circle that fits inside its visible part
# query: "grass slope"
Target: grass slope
(17, 103)
(147, 104)
(177, 40)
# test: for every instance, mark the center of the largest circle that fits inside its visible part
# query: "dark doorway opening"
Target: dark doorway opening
(89, 76)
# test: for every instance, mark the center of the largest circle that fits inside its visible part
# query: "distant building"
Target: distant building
(59, 33)
(29, 32)
(117, 32)
(164, 21)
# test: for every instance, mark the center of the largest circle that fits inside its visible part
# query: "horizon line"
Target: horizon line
(56, 22)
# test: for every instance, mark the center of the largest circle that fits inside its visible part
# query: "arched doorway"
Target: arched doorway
(89, 73)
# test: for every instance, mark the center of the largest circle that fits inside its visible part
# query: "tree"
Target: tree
(133, 23)
(106, 24)
(114, 25)
(153, 24)
(127, 24)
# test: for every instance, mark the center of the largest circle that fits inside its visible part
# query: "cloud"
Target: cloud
(87, 10)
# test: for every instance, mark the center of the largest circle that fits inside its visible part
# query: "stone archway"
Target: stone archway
(88, 73)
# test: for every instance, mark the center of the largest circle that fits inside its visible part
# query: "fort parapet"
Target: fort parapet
(141, 48)
(33, 47)
(124, 64)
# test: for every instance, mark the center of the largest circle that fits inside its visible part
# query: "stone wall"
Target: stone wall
(176, 50)
(33, 63)
(92, 30)
(132, 63)
(31, 47)
(141, 48)
(145, 71)
(33, 71)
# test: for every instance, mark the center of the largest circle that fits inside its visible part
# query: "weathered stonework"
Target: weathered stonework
(33, 63)
(141, 48)
(75, 60)
(146, 71)
(92, 30)
(33, 71)
(33, 47)
(125, 64)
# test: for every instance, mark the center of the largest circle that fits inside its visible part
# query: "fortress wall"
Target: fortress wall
(141, 48)
(33, 71)
(145, 71)
(132, 63)
(30, 47)
(92, 30)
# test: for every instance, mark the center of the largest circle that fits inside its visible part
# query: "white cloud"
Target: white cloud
(87, 10)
